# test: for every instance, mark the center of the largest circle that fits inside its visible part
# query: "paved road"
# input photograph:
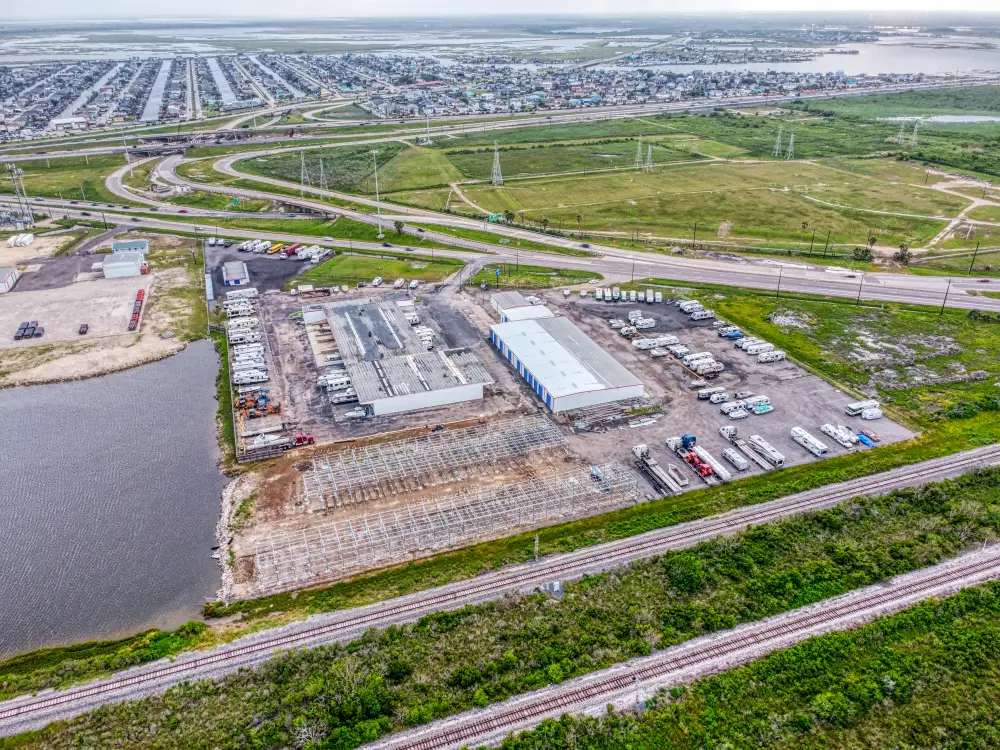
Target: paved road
(29, 712)
(614, 264)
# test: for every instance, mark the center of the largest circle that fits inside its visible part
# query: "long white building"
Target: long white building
(564, 366)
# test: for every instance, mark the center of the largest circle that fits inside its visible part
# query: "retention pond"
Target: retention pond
(108, 503)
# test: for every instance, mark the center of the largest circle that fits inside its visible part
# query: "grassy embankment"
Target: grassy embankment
(925, 677)
(529, 277)
(348, 269)
(75, 178)
(452, 661)
(182, 299)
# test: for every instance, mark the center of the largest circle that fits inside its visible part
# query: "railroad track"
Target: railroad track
(738, 646)
(26, 712)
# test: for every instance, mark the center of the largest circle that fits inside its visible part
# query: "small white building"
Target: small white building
(8, 277)
(235, 273)
(121, 265)
(563, 365)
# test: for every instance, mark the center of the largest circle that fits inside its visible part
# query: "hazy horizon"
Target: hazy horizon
(54, 12)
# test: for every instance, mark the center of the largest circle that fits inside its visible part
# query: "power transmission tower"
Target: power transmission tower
(913, 138)
(901, 138)
(322, 176)
(497, 177)
(790, 154)
(649, 157)
(776, 153)
(304, 176)
(638, 155)
(20, 194)
(427, 132)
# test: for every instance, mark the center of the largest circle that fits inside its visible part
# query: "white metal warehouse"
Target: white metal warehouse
(562, 364)
(121, 265)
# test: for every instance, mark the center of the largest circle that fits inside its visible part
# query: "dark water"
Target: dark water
(109, 496)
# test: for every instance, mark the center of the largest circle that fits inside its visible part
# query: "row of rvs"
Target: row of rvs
(243, 330)
(615, 294)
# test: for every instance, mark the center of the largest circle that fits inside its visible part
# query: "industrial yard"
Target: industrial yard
(418, 430)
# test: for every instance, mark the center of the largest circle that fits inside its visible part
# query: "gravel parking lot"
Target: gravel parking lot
(105, 305)
(799, 397)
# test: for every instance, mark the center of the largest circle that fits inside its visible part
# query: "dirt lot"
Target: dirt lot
(42, 247)
(799, 398)
(105, 305)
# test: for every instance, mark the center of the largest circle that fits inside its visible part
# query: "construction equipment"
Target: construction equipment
(684, 447)
(647, 465)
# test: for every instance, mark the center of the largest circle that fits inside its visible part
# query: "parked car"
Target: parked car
(84, 327)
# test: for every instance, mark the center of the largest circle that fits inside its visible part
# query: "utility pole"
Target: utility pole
(827, 245)
(812, 242)
(633, 272)
(861, 283)
(974, 254)
(127, 159)
(945, 300)
(776, 153)
(694, 237)
(780, 269)
(638, 155)
(378, 202)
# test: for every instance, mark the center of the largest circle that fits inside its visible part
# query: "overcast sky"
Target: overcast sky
(51, 10)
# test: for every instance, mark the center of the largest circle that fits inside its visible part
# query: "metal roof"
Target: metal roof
(527, 313)
(124, 259)
(6, 271)
(385, 357)
(235, 269)
(563, 357)
(507, 300)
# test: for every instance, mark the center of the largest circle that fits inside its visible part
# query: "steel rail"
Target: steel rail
(617, 553)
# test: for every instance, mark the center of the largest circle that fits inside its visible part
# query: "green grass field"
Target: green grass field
(972, 100)
(350, 168)
(75, 178)
(985, 213)
(417, 167)
(521, 276)
(520, 161)
(759, 201)
(346, 269)
(218, 202)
